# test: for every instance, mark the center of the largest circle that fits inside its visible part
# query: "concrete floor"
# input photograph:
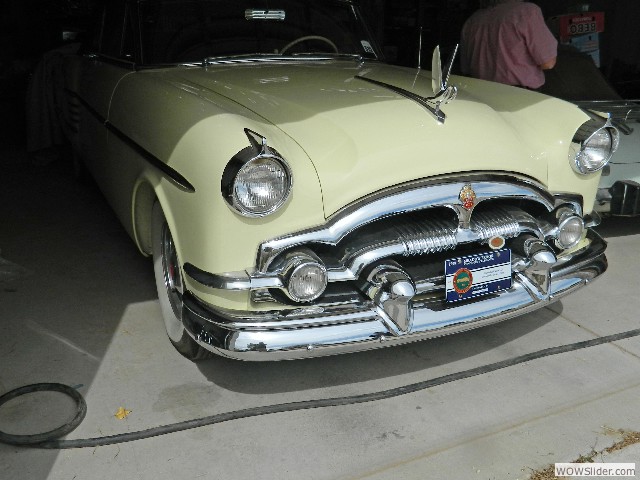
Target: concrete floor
(77, 306)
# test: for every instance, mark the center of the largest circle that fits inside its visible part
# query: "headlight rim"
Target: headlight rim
(243, 158)
(597, 123)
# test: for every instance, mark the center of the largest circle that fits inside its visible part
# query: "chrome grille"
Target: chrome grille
(422, 238)
(494, 223)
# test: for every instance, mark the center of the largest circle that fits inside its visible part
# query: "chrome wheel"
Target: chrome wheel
(170, 286)
(172, 283)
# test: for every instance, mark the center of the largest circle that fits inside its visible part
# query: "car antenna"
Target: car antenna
(419, 56)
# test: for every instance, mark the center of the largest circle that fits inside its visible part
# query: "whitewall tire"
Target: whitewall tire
(169, 283)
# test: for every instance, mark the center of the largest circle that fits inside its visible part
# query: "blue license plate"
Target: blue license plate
(479, 274)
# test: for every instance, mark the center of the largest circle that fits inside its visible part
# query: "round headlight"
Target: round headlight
(595, 152)
(598, 140)
(256, 181)
(307, 282)
(261, 186)
(569, 231)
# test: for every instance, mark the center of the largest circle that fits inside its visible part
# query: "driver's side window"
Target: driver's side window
(116, 39)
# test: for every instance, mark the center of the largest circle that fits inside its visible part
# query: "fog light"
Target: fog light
(305, 276)
(307, 282)
(570, 231)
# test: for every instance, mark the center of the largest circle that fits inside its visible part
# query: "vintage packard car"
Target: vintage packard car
(300, 197)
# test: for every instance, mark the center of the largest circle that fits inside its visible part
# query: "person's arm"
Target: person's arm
(542, 45)
(549, 64)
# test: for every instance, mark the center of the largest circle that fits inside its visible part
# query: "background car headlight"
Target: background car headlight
(598, 140)
(256, 183)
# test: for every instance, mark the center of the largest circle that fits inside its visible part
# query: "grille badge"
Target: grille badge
(467, 197)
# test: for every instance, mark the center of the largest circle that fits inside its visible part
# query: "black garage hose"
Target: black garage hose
(49, 439)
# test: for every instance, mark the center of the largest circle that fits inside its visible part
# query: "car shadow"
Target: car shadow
(491, 343)
(619, 227)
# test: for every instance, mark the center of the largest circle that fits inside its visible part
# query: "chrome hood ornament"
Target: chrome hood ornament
(443, 93)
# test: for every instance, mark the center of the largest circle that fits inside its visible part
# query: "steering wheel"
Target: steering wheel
(309, 37)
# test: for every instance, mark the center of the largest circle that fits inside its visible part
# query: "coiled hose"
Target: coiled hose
(50, 440)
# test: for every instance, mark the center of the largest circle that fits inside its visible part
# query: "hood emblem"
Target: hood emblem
(443, 93)
(467, 197)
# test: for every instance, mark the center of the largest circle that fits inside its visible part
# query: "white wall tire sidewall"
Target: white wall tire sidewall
(173, 324)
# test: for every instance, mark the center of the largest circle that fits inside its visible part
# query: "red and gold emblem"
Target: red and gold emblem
(467, 197)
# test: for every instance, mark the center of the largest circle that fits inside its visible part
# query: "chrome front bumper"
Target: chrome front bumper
(317, 331)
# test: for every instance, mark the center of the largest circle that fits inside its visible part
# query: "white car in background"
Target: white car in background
(619, 189)
(577, 79)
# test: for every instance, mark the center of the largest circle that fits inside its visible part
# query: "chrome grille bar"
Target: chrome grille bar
(418, 239)
(495, 223)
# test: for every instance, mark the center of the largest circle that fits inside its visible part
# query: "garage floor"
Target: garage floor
(77, 306)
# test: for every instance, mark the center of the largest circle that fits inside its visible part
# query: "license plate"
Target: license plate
(479, 274)
(582, 28)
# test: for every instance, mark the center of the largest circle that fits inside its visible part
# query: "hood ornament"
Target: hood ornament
(443, 93)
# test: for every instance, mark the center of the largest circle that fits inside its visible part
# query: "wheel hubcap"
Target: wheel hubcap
(171, 273)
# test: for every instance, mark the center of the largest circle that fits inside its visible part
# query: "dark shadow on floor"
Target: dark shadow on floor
(384, 363)
(619, 226)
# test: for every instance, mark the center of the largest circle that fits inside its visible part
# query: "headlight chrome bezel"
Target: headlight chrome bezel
(253, 157)
(586, 135)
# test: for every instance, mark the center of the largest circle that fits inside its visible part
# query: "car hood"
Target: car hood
(362, 137)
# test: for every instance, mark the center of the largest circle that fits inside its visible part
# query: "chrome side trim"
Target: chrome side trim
(152, 159)
(225, 281)
(145, 154)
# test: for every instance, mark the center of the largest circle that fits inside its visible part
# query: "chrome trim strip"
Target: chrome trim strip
(149, 157)
(88, 106)
(225, 281)
(317, 331)
(275, 59)
(620, 110)
(152, 159)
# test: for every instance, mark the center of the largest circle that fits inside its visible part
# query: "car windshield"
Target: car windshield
(174, 31)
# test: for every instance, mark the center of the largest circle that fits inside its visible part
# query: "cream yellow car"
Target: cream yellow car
(300, 197)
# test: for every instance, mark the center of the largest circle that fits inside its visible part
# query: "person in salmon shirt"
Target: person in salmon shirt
(508, 41)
